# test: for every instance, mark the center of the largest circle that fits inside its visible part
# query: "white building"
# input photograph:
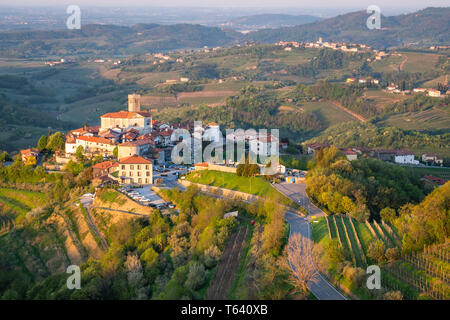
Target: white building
(405, 157)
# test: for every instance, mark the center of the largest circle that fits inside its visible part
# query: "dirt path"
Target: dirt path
(402, 64)
(229, 263)
(94, 228)
(353, 114)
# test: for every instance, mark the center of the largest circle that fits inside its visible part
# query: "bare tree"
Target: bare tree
(300, 259)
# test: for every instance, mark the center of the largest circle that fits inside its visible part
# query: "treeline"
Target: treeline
(18, 114)
(360, 188)
(426, 223)
(353, 134)
(349, 96)
(250, 109)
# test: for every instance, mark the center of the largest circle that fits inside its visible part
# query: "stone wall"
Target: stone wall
(227, 193)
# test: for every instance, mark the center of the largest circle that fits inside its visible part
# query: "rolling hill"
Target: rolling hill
(428, 26)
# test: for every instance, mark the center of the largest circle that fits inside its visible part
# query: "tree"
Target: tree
(392, 254)
(55, 142)
(196, 277)
(79, 153)
(4, 156)
(388, 214)
(376, 250)
(116, 152)
(42, 143)
(334, 251)
(302, 269)
(393, 295)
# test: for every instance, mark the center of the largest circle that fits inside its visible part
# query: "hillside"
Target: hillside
(428, 26)
(269, 21)
(111, 39)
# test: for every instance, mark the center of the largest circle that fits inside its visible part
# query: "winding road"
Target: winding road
(321, 288)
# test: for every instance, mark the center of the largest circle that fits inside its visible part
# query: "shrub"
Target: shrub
(196, 277)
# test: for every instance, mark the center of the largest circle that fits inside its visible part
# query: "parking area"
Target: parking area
(145, 196)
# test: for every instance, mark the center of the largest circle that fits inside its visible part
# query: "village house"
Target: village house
(95, 145)
(138, 147)
(264, 145)
(313, 147)
(434, 93)
(350, 154)
(434, 181)
(404, 157)
(104, 168)
(135, 170)
(432, 158)
(29, 156)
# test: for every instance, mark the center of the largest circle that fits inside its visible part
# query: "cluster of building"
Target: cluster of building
(430, 92)
(396, 156)
(131, 136)
(342, 46)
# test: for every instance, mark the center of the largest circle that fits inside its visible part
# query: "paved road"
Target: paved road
(321, 289)
(296, 191)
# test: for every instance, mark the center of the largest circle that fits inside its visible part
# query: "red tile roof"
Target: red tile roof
(95, 139)
(105, 165)
(126, 114)
(135, 159)
(139, 142)
(202, 164)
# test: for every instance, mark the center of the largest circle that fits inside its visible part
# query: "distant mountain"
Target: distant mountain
(261, 21)
(428, 26)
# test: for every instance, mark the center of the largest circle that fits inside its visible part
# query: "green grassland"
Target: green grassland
(254, 185)
(21, 201)
(327, 112)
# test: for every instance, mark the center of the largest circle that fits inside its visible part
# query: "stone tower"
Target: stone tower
(134, 102)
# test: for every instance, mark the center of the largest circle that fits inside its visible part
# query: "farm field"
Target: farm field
(382, 98)
(414, 274)
(327, 112)
(436, 118)
(21, 201)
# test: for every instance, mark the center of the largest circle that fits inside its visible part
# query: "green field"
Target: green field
(254, 185)
(21, 201)
(327, 112)
(436, 118)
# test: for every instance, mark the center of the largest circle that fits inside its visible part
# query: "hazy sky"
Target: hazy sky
(240, 3)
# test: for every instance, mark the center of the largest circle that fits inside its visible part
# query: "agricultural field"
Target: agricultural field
(327, 112)
(415, 275)
(433, 119)
(21, 201)
(382, 98)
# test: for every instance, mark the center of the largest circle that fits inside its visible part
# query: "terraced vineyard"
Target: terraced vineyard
(425, 273)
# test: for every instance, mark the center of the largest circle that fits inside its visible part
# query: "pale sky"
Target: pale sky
(407, 4)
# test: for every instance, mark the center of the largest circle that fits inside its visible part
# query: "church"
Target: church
(134, 118)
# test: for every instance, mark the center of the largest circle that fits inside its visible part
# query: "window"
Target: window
(124, 173)
(139, 180)
(146, 180)
(131, 173)
(148, 173)
(139, 173)
(131, 167)
(139, 167)
(146, 167)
